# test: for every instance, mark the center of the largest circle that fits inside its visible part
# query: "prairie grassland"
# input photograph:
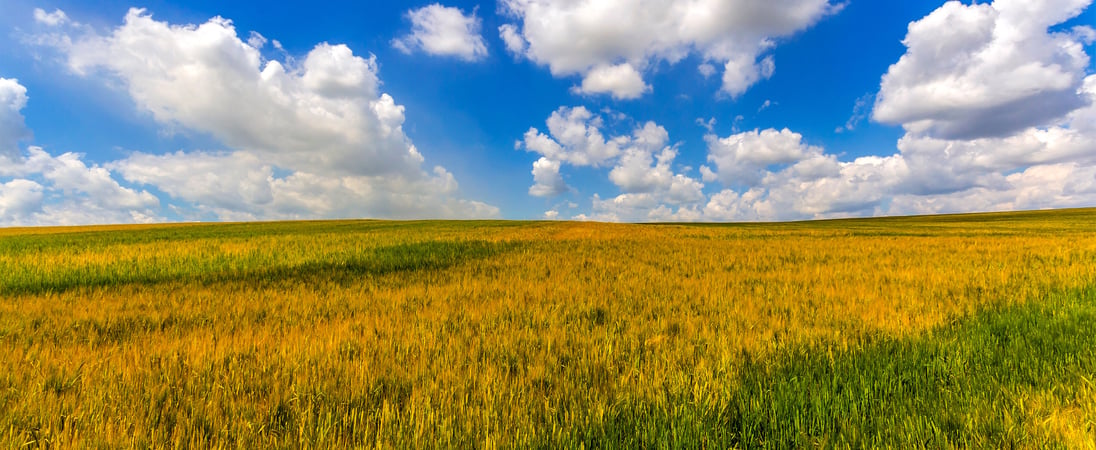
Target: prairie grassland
(949, 331)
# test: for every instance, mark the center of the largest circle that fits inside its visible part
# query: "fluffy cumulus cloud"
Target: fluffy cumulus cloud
(641, 166)
(996, 99)
(775, 174)
(1044, 159)
(743, 158)
(242, 186)
(999, 115)
(987, 70)
(37, 188)
(610, 42)
(547, 181)
(1044, 186)
(679, 201)
(20, 200)
(19, 197)
(443, 31)
(772, 175)
(1051, 167)
(622, 81)
(324, 114)
(819, 187)
(574, 136)
(13, 97)
(309, 137)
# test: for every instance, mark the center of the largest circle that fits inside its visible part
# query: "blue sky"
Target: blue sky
(991, 109)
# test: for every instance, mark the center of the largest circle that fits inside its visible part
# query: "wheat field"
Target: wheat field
(918, 332)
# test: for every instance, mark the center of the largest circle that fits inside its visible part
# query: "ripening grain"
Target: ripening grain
(934, 331)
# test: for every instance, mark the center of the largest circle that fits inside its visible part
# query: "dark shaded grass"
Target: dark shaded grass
(955, 387)
(90, 238)
(405, 257)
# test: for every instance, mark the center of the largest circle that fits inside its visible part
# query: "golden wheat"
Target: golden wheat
(289, 334)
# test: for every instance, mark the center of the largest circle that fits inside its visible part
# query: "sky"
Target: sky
(608, 110)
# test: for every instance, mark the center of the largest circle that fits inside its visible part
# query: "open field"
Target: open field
(972, 330)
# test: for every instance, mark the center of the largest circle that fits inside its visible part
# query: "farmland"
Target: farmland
(944, 331)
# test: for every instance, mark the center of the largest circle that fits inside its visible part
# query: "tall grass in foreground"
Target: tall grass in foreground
(910, 332)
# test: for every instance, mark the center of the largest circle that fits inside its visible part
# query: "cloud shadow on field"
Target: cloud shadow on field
(339, 269)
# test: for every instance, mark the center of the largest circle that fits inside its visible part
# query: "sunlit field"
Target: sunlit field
(947, 331)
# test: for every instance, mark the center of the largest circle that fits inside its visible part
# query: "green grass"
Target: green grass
(963, 385)
(262, 266)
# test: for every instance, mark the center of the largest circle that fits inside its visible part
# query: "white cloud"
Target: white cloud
(729, 205)
(71, 175)
(580, 37)
(986, 70)
(706, 70)
(55, 18)
(65, 190)
(223, 182)
(1037, 168)
(444, 31)
(642, 207)
(817, 186)
(205, 78)
(19, 200)
(822, 187)
(683, 190)
(1039, 187)
(642, 167)
(256, 40)
(547, 181)
(634, 172)
(708, 175)
(575, 138)
(37, 188)
(322, 119)
(1040, 168)
(860, 111)
(13, 97)
(624, 207)
(1084, 120)
(742, 71)
(940, 165)
(512, 38)
(646, 166)
(999, 115)
(706, 124)
(742, 158)
(785, 179)
(622, 81)
(1046, 160)
(241, 186)
(679, 200)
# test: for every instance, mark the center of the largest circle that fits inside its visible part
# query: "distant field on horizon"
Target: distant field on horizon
(972, 330)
